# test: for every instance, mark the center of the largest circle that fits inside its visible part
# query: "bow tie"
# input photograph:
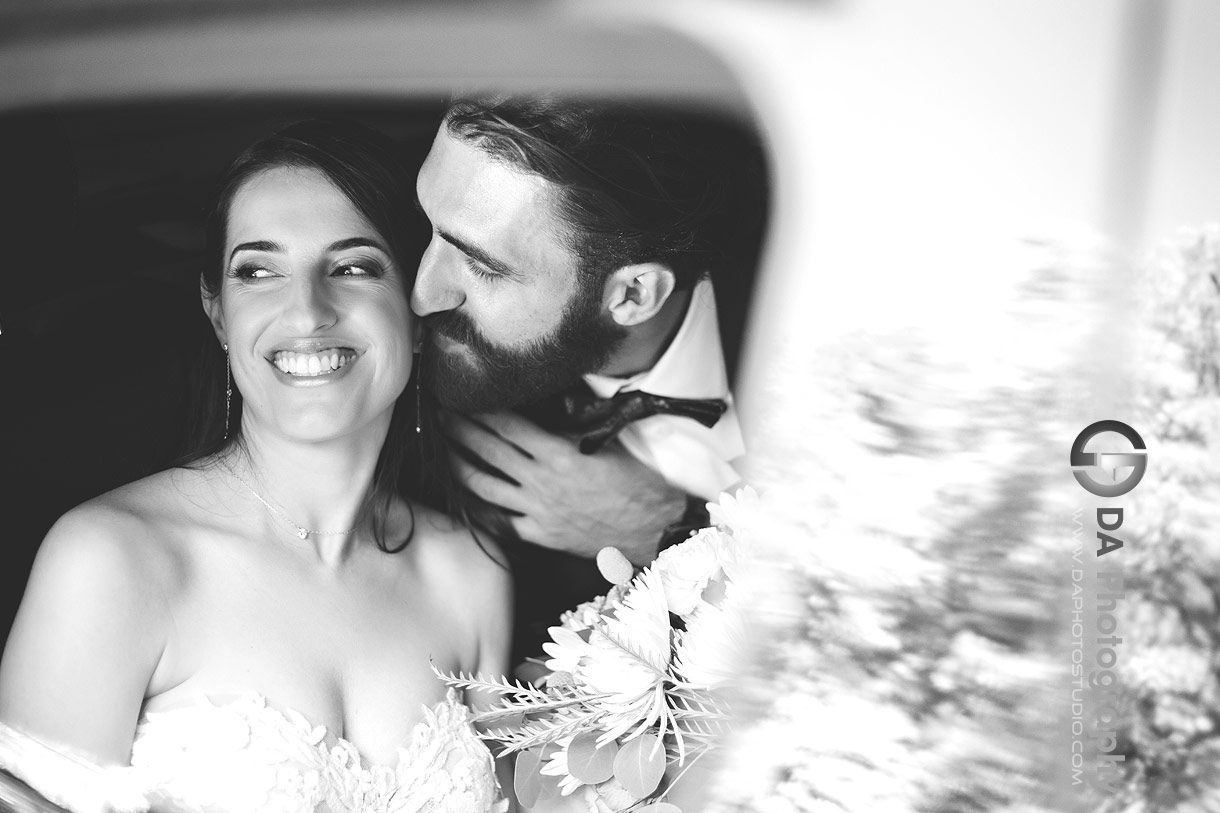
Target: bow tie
(601, 419)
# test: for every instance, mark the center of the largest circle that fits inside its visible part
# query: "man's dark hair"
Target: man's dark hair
(635, 184)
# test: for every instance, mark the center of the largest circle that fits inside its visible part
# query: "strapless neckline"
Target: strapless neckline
(251, 704)
(247, 755)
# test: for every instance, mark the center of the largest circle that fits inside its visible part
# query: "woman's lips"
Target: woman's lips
(309, 365)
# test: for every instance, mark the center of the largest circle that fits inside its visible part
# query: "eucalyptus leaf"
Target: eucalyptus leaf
(587, 762)
(659, 807)
(530, 785)
(639, 765)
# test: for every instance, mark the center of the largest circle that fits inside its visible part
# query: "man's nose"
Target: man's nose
(438, 282)
(311, 304)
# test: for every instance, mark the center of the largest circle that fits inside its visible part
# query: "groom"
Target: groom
(573, 333)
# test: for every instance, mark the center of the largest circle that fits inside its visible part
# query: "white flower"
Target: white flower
(585, 616)
(734, 512)
(628, 654)
(688, 567)
(612, 668)
(566, 650)
(710, 652)
(640, 620)
(557, 765)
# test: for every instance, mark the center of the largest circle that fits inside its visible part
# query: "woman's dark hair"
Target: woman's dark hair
(368, 168)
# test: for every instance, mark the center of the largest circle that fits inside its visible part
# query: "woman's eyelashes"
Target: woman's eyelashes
(255, 272)
(251, 272)
(358, 268)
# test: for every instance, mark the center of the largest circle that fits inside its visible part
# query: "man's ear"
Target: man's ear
(211, 306)
(634, 294)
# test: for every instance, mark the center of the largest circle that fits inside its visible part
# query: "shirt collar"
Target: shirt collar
(693, 364)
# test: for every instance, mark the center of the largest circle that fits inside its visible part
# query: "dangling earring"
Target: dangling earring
(228, 389)
(418, 413)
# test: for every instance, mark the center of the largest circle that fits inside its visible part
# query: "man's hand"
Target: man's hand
(563, 499)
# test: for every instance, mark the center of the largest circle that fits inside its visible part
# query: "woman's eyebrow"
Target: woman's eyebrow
(255, 245)
(357, 242)
(338, 245)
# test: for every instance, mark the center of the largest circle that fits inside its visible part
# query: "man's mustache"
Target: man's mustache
(454, 325)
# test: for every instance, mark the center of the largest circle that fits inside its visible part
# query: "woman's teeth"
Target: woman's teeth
(311, 364)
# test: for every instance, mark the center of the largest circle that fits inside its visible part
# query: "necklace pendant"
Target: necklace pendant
(301, 532)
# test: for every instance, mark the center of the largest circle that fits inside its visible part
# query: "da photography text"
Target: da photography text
(1097, 593)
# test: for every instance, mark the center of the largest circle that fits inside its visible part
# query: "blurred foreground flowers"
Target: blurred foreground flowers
(1170, 733)
(923, 504)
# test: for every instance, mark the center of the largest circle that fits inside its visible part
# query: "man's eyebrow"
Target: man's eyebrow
(478, 254)
(255, 245)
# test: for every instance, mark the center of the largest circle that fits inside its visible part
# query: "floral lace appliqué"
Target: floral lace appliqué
(247, 756)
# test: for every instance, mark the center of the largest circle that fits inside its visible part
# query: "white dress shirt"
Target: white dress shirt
(696, 458)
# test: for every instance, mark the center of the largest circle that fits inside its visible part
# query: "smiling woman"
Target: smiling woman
(108, 207)
(276, 581)
(302, 252)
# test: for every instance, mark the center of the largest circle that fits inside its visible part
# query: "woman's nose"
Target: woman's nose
(438, 281)
(310, 307)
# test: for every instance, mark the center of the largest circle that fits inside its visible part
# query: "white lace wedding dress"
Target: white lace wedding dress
(244, 755)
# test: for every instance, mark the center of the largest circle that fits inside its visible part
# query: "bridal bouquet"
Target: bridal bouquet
(636, 683)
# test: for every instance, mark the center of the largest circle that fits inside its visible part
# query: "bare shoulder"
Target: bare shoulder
(120, 537)
(93, 623)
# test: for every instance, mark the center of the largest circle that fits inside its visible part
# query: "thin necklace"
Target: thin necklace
(301, 530)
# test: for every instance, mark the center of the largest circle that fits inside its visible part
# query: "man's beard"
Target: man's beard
(488, 376)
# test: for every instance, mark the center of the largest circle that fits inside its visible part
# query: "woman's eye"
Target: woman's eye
(250, 271)
(357, 270)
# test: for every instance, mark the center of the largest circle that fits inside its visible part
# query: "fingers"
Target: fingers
(519, 431)
(513, 502)
(488, 487)
(529, 529)
(486, 444)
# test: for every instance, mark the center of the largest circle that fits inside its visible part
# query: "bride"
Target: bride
(255, 630)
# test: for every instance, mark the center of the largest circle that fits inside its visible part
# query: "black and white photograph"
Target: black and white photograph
(793, 406)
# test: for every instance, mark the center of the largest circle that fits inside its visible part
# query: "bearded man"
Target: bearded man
(572, 329)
